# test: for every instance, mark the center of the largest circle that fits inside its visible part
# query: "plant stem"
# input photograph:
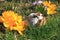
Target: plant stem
(15, 36)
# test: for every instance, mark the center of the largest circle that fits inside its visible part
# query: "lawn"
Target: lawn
(49, 31)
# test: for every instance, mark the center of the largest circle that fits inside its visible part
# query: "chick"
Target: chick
(36, 18)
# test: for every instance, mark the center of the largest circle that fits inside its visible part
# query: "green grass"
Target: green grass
(50, 31)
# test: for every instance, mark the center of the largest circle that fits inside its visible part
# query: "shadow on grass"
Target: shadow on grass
(2, 28)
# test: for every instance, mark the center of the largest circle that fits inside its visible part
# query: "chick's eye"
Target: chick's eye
(34, 16)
